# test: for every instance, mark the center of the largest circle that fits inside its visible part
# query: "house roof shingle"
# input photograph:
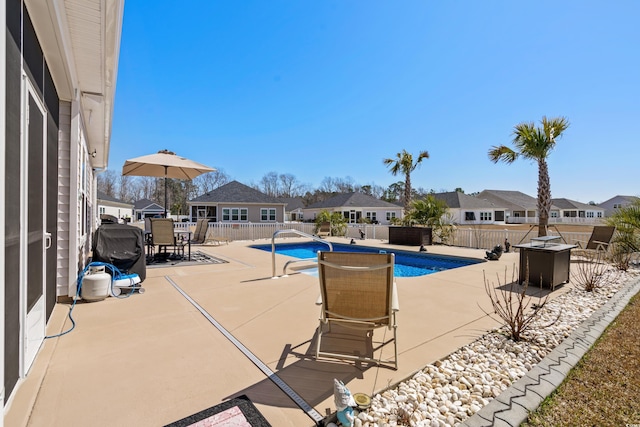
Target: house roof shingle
(235, 192)
(356, 200)
(511, 199)
(105, 197)
(146, 204)
(292, 203)
(563, 203)
(457, 200)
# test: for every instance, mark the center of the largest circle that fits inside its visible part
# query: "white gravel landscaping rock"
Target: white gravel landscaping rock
(451, 390)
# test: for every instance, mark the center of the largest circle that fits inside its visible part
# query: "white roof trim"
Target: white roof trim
(81, 42)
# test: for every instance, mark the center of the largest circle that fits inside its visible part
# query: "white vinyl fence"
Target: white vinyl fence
(484, 238)
(468, 237)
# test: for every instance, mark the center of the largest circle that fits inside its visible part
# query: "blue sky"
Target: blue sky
(329, 88)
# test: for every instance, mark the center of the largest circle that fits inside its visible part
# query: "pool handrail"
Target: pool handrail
(293, 261)
(298, 232)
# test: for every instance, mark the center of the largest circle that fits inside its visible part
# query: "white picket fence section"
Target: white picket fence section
(468, 237)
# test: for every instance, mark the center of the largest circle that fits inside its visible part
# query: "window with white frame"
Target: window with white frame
(371, 216)
(617, 205)
(590, 214)
(235, 214)
(599, 214)
(553, 214)
(485, 216)
(390, 215)
(268, 214)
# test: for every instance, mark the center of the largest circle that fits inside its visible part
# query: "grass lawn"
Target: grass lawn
(604, 388)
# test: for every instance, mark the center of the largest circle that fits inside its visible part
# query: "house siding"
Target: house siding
(64, 201)
(253, 212)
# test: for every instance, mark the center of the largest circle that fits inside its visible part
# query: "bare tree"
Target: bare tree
(136, 190)
(345, 185)
(269, 184)
(290, 186)
(327, 185)
(107, 182)
(125, 190)
(151, 189)
(210, 181)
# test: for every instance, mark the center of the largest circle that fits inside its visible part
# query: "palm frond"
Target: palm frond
(502, 153)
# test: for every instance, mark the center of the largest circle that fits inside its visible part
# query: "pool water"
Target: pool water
(407, 264)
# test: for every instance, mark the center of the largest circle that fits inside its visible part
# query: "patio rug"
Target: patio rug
(237, 412)
(197, 258)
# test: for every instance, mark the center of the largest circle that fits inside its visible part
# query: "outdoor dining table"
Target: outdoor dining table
(179, 233)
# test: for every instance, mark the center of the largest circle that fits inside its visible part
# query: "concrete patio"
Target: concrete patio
(153, 358)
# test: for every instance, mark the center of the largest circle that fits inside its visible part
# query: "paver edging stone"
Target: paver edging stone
(546, 376)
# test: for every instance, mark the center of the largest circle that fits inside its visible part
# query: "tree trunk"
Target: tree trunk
(544, 197)
(407, 193)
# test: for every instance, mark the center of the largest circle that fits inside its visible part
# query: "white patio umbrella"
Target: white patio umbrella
(165, 164)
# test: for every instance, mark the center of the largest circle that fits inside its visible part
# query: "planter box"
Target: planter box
(414, 236)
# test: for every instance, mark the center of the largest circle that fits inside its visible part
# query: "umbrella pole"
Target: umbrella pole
(165, 191)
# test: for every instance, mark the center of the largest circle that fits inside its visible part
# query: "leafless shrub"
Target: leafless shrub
(621, 257)
(589, 270)
(514, 307)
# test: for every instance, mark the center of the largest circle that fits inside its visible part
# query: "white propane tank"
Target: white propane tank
(95, 284)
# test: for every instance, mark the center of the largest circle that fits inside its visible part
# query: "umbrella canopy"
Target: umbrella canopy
(164, 164)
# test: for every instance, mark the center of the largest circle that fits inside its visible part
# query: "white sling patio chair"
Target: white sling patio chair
(358, 291)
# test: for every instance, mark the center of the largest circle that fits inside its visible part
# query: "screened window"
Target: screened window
(469, 216)
(268, 214)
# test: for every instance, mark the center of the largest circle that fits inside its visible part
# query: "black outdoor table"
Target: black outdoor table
(547, 262)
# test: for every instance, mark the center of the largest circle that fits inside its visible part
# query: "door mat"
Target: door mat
(197, 258)
(237, 412)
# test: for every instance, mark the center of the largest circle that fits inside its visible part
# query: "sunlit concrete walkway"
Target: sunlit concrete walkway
(153, 358)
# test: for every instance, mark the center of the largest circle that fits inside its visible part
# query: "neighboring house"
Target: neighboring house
(610, 206)
(465, 209)
(356, 207)
(58, 69)
(111, 206)
(294, 208)
(236, 202)
(519, 207)
(571, 211)
(145, 208)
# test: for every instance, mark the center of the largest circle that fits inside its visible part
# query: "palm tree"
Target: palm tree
(535, 143)
(404, 163)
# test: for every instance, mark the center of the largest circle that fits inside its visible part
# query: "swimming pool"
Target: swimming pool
(408, 264)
